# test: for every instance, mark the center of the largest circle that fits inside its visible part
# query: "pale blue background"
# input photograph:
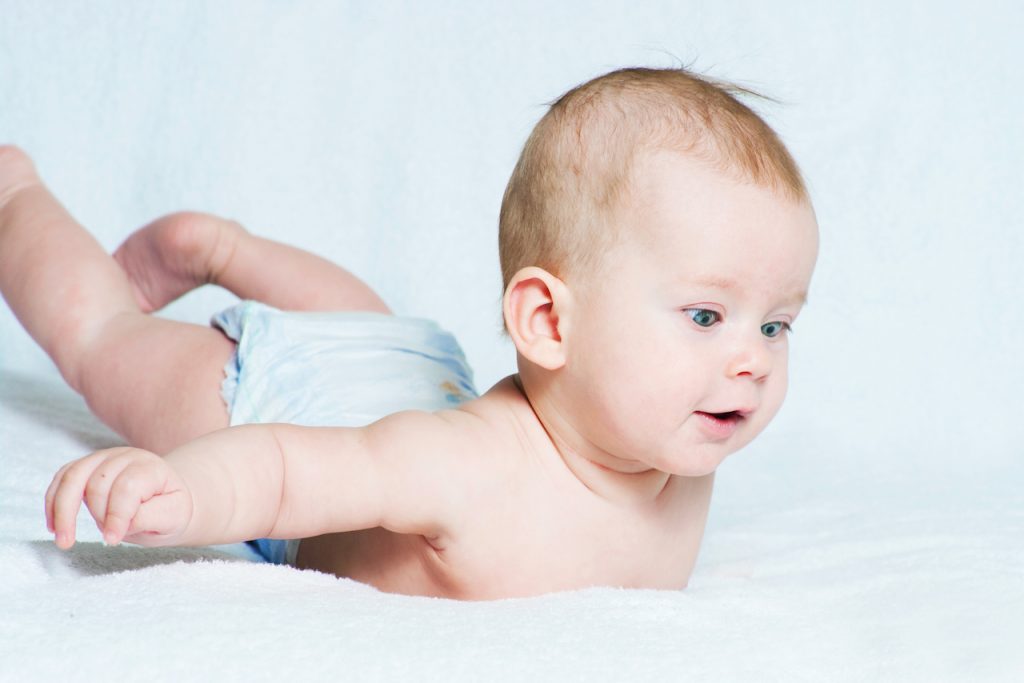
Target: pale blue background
(382, 134)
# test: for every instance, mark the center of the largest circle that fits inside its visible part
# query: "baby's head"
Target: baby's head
(656, 244)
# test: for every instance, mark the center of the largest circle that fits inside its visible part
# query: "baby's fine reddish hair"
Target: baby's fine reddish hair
(577, 164)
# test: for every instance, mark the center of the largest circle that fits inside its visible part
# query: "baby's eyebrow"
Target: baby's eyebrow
(716, 282)
(798, 297)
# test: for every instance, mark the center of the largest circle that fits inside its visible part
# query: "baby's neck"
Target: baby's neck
(543, 430)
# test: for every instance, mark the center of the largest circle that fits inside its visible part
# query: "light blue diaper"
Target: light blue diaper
(340, 369)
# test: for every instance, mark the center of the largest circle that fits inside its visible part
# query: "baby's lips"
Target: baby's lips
(739, 412)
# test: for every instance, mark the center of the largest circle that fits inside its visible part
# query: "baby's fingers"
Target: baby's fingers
(99, 486)
(135, 485)
(64, 497)
(51, 493)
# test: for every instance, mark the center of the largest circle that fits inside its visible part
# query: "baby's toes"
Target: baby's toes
(16, 172)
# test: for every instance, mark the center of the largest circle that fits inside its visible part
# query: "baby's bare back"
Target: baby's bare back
(529, 525)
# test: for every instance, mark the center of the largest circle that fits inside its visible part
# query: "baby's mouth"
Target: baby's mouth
(729, 416)
(720, 426)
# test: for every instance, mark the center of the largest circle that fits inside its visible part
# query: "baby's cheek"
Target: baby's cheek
(772, 399)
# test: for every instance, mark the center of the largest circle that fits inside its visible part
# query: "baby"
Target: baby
(657, 243)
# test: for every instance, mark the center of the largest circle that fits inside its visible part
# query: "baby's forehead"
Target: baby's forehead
(665, 173)
(680, 204)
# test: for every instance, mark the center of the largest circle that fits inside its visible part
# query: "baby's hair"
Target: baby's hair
(576, 166)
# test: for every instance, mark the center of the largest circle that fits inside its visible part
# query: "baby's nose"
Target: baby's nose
(750, 358)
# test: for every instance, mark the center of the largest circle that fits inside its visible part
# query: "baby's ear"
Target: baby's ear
(535, 305)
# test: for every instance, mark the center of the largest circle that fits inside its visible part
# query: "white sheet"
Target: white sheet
(820, 587)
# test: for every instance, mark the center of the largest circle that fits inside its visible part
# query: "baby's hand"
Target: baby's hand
(132, 494)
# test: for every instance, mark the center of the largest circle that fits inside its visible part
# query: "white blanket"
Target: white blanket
(822, 587)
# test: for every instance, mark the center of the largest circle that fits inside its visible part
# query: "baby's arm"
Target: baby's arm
(277, 481)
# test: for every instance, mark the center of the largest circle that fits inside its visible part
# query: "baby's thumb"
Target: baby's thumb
(160, 520)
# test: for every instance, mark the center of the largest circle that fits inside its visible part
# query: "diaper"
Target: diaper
(335, 369)
(339, 369)
(275, 550)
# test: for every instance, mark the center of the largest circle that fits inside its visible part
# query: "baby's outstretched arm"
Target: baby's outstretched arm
(276, 481)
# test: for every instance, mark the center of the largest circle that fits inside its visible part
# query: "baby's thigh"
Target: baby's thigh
(157, 382)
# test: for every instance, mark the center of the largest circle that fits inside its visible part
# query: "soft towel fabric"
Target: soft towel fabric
(814, 587)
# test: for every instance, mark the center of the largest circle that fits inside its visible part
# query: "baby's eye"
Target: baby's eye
(774, 328)
(703, 316)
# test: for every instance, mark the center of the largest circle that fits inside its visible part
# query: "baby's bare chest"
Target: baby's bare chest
(551, 548)
(508, 550)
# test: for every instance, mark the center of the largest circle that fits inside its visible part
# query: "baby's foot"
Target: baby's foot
(16, 173)
(175, 254)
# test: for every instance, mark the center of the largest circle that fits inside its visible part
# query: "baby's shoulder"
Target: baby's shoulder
(474, 433)
(481, 433)
(484, 447)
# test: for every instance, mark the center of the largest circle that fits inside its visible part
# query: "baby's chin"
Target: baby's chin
(697, 461)
(690, 464)
(691, 469)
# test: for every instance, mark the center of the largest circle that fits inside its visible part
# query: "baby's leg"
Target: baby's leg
(154, 381)
(180, 252)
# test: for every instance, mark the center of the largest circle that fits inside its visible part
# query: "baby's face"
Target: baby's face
(680, 346)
